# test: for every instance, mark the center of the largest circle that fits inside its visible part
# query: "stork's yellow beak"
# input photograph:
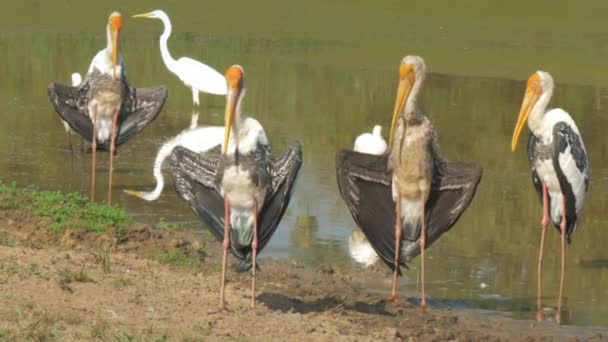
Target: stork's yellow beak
(407, 76)
(533, 92)
(234, 80)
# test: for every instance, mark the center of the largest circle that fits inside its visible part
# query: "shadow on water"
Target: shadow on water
(281, 302)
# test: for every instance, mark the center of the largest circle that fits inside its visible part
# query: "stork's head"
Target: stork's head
(114, 26)
(411, 72)
(540, 83)
(235, 79)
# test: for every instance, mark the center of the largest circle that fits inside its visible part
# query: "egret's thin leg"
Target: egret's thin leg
(194, 119)
(70, 143)
(544, 222)
(195, 102)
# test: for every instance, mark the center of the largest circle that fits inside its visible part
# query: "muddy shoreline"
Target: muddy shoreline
(162, 284)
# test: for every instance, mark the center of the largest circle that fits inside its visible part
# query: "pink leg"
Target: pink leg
(112, 150)
(254, 249)
(544, 222)
(422, 248)
(94, 150)
(226, 248)
(558, 317)
(393, 296)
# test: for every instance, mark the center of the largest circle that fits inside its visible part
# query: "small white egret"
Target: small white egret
(371, 143)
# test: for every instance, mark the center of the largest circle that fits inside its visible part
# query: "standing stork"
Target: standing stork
(560, 169)
(195, 75)
(242, 194)
(404, 201)
(104, 109)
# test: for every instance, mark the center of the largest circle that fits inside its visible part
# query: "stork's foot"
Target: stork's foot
(558, 318)
(423, 305)
(539, 316)
(221, 309)
(393, 298)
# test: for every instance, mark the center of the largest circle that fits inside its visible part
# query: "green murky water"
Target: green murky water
(323, 72)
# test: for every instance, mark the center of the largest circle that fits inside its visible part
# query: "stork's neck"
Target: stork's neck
(237, 125)
(410, 103)
(164, 50)
(535, 120)
(109, 47)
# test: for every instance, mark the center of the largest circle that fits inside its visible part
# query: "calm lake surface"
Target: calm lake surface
(323, 73)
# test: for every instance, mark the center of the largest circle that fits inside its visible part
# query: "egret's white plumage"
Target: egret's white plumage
(199, 139)
(76, 79)
(196, 75)
(360, 249)
(371, 143)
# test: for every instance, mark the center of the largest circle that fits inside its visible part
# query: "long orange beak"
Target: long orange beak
(407, 77)
(530, 99)
(234, 80)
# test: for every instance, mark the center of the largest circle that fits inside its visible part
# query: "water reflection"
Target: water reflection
(326, 107)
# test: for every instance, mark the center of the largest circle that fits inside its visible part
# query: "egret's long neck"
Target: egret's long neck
(410, 103)
(535, 120)
(164, 50)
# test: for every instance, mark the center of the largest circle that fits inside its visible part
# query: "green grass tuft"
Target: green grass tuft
(65, 209)
(177, 258)
(105, 259)
(7, 240)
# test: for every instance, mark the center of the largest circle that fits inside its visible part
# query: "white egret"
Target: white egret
(198, 139)
(196, 75)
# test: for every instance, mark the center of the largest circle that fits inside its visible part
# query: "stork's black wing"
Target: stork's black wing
(194, 180)
(572, 168)
(140, 107)
(365, 186)
(532, 156)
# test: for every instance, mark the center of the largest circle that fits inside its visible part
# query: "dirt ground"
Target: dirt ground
(88, 286)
